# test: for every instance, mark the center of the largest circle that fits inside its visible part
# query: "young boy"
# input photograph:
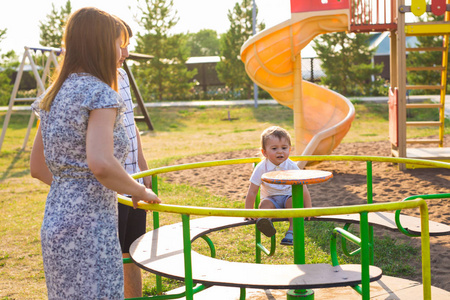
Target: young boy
(275, 146)
(132, 222)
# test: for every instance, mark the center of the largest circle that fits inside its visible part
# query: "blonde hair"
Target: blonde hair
(274, 131)
(89, 41)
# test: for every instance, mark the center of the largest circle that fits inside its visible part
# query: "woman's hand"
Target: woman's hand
(147, 196)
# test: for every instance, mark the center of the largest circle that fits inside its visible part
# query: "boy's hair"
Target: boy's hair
(274, 131)
(130, 32)
(89, 41)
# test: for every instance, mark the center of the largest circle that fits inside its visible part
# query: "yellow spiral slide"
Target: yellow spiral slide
(273, 61)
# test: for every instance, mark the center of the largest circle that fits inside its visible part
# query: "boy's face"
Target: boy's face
(123, 55)
(276, 150)
(118, 49)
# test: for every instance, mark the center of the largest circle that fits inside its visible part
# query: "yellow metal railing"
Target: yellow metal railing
(311, 212)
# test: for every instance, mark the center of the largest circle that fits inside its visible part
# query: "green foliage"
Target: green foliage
(5, 89)
(3, 34)
(204, 43)
(5, 84)
(52, 28)
(346, 61)
(8, 62)
(165, 76)
(425, 59)
(149, 288)
(231, 69)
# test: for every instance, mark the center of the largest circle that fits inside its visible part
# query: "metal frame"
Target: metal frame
(40, 83)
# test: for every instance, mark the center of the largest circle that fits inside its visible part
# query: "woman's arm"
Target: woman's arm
(38, 167)
(102, 162)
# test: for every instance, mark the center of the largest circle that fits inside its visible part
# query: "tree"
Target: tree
(8, 62)
(165, 76)
(52, 28)
(3, 34)
(204, 43)
(231, 69)
(346, 61)
(426, 59)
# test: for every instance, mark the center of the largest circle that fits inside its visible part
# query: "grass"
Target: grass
(179, 132)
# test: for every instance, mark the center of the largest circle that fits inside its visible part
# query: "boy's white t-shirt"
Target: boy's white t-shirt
(270, 189)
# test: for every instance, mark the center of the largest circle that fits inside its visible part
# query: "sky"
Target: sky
(22, 17)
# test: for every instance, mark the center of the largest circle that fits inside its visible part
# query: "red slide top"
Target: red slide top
(315, 5)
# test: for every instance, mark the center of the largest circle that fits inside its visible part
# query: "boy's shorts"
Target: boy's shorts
(278, 200)
(132, 223)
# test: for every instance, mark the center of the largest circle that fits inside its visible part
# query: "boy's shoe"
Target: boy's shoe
(265, 226)
(288, 239)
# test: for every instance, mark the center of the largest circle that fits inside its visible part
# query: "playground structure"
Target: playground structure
(321, 120)
(163, 250)
(49, 55)
(137, 94)
(399, 87)
(272, 59)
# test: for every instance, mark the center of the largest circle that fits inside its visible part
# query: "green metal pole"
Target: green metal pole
(189, 284)
(370, 201)
(155, 190)
(299, 243)
(365, 255)
(212, 248)
(158, 278)
(298, 225)
(257, 232)
(369, 182)
(242, 294)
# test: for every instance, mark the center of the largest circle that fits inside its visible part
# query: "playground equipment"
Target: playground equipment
(164, 249)
(321, 119)
(399, 87)
(272, 59)
(144, 113)
(41, 82)
(50, 56)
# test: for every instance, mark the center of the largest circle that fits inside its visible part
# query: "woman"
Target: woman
(79, 150)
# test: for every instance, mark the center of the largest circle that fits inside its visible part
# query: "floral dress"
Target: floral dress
(80, 245)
